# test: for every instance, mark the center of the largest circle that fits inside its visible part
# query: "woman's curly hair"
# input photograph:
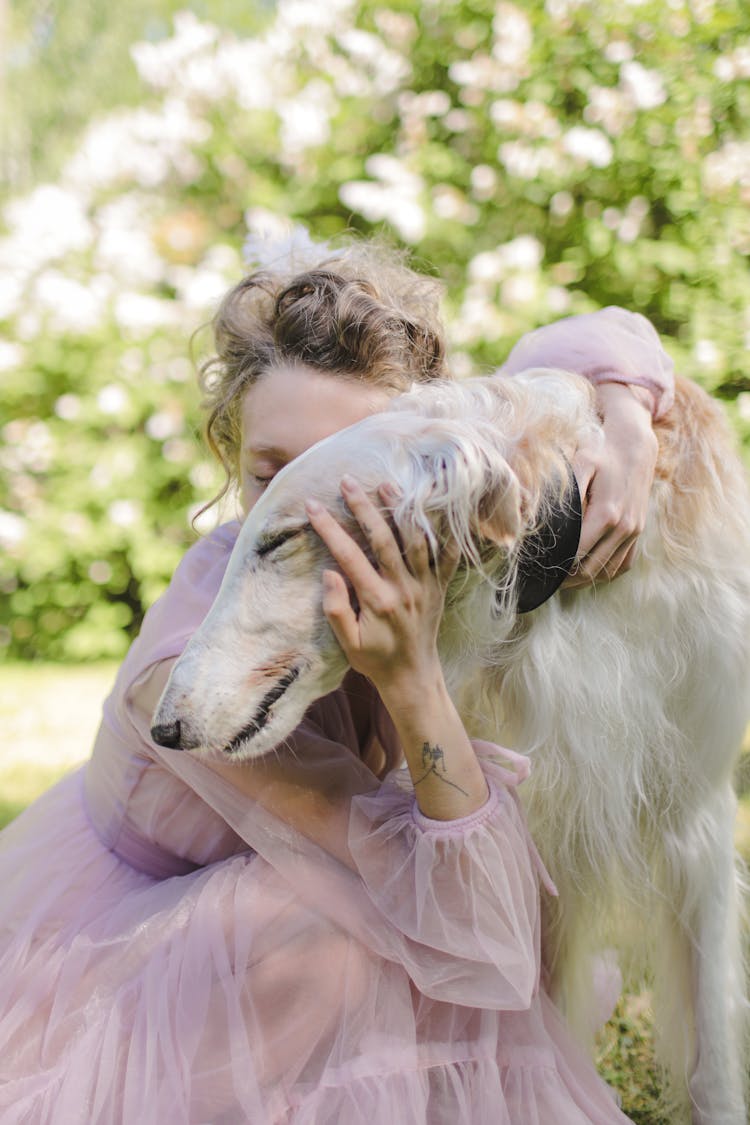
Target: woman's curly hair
(361, 314)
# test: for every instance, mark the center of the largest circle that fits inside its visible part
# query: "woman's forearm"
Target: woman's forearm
(448, 780)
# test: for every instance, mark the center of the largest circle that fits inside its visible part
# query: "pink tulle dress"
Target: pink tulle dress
(306, 949)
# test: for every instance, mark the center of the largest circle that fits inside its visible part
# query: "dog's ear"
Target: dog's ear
(498, 517)
(472, 487)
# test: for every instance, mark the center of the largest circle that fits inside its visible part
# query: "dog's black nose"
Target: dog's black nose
(167, 734)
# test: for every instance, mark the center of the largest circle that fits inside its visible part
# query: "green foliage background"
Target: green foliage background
(543, 158)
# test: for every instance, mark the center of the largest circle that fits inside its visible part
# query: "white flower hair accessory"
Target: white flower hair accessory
(274, 243)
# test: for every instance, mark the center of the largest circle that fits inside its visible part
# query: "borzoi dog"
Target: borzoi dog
(630, 697)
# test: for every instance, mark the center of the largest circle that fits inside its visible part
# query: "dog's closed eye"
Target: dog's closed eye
(276, 539)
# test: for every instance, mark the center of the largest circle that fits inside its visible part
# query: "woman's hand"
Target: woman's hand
(615, 480)
(392, 637)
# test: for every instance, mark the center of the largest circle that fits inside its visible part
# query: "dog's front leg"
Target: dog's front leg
(711, 927)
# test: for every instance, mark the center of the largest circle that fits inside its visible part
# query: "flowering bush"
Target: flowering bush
(544, 159)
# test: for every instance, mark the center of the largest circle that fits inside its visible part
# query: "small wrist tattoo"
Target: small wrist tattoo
(433, 763)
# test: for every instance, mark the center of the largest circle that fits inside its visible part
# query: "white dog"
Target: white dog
(631, 698)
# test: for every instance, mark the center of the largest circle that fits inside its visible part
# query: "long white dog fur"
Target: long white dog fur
(630, 697)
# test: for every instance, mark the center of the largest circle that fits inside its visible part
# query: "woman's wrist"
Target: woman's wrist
(406, 689)
(448, 780)
(627, 401)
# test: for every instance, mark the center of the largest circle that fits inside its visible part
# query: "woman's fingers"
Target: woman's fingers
(414, 547)
(392, 631)
(350, 557)
(338, 609)
(611, 557)
(385, 549)
(400, 557)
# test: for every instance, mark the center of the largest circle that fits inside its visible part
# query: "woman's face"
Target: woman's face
(287, 411)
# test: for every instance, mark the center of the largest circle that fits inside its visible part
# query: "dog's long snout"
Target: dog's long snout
(167, 734)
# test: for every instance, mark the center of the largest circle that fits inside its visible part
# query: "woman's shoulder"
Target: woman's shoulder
(207, 559)
(175, 616)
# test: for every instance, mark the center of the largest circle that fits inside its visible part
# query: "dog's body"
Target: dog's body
(631, 698)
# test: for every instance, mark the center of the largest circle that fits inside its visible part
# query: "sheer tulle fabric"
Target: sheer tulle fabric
(240, 993)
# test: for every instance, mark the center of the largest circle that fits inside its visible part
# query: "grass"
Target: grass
(49, 716)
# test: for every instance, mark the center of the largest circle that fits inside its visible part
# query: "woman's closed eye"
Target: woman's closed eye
(261, 482)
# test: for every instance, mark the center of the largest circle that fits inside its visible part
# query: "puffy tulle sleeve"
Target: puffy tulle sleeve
(467, 889)
(611, 345)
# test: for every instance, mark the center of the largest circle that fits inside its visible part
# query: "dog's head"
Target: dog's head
(464, 466)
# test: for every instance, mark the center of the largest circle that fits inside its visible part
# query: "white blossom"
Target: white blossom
(483, 182)
(457, 120)
(11, 355)
(487, 267)
(124, 248)
(138, 146)
(163, 424)
(112, 399)
(521, 255)
(306, 118)
(308, 14)
(618, 51)
(558, 300)
(528, 161)
(394, 195)
(561, 203)
(158, 63)
(202, 475)
(199, 288)
(67, 305)
(450, 203)
(513, 37)
(388, 69)
(100, 572)
(68, 407)
(124, 513)
(645, 87)
(11, 293)
(735, 65)
(47, 223)
(32, 445)
(482, 74)
(177, 451)
(43, 227)
(519, 290)
(562, 9)
(142, 314)
(589, 145)
(506, 113)
(430, 103)
(13, 529)
(610, 107)
(479, 318)
(399, 28)
(727, 167)
(707, 354)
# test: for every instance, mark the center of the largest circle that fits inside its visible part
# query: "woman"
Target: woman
(309, 938)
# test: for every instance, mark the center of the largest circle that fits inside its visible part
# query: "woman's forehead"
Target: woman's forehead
(291, 408)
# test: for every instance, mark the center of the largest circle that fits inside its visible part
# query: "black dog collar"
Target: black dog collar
(547, 557)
